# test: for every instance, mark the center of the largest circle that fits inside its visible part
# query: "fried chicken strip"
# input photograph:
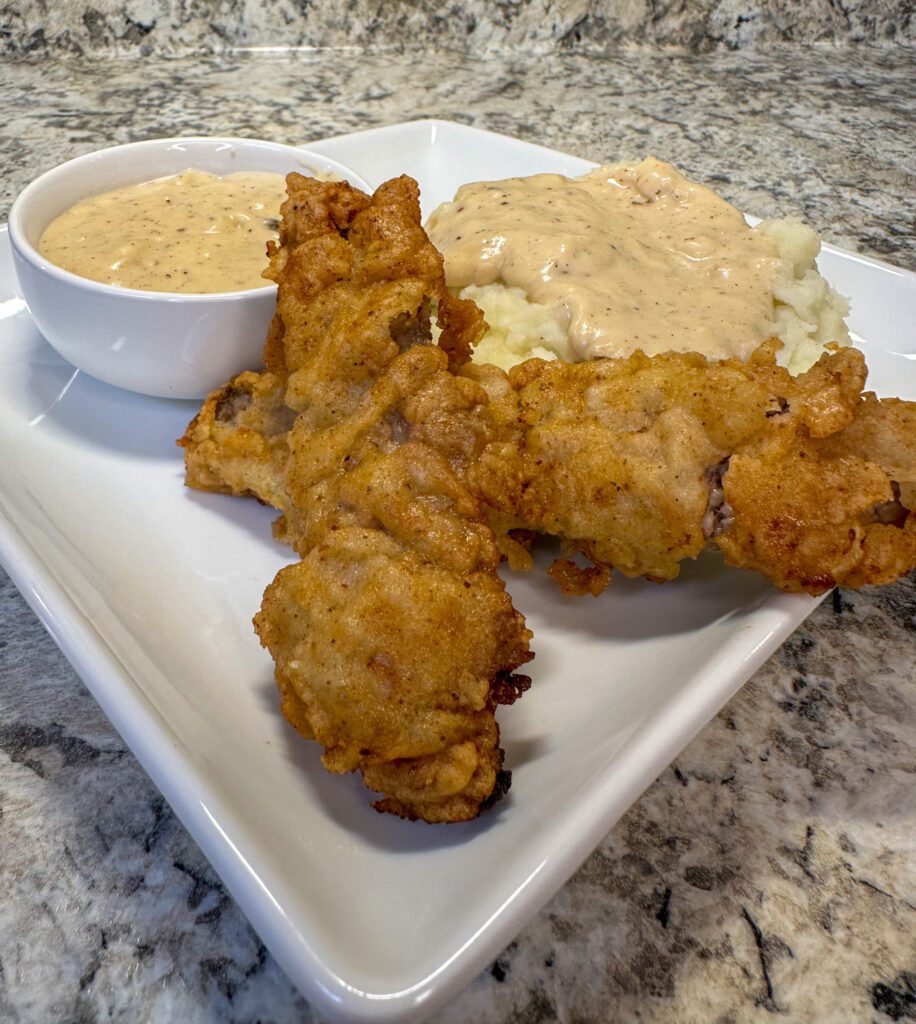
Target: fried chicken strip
(346, 307)
(394, 664)
(640, 463)
(394, 639)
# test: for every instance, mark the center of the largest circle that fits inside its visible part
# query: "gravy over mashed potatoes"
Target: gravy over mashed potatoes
(631, 256)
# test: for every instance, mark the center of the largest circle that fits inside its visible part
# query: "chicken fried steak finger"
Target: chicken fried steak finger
(394, 639)
(640, 463)
(394, 663)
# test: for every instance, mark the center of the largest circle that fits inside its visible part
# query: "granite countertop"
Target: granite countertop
(771, 870)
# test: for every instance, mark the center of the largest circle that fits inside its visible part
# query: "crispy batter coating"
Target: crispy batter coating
(357, 278)
(640, 463)
(390, 658)
(814, 510)
(394, 638)
(238, 442)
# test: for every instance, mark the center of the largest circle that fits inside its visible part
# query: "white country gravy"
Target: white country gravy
(630, 256)
(191, 232)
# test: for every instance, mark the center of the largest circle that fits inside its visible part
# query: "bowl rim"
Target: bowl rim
(22, 247)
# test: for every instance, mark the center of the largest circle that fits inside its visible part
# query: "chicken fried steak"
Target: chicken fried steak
(404, 473)
(640, 463)
(394, 638)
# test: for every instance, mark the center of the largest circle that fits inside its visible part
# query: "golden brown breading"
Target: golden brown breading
(639, 463)
(237, 443)
(813, 510)
(397, 462)
(391, 659)
(357, 278)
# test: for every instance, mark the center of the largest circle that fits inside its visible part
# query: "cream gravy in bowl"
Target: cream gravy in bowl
(189, 232)
(147, 326)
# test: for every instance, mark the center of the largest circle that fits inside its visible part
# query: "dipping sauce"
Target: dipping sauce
(628, 257)
(191, 232)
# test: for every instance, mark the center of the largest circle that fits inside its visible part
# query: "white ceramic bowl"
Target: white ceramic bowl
(158, 343)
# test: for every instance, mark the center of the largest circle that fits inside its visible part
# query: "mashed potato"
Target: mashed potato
(808, 313)
(632, 257)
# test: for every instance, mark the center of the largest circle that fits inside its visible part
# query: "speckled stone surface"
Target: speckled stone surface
(770, 873)
(195, 26)
(824, 134)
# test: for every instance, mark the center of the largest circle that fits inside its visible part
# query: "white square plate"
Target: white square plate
(149, 589)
